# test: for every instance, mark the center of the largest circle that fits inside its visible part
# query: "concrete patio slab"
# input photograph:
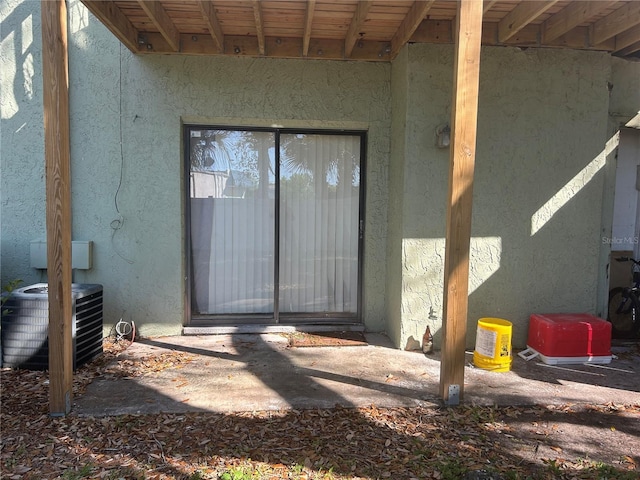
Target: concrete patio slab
(249, 372)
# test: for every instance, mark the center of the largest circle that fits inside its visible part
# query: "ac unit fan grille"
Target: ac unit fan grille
(25, 326)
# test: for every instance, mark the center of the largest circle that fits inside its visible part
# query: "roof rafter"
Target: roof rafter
(487, 5)
(308, 22)
(213, 25)
(520, 17)
(628, 38)
(409, 25)
(627, 16)
(570, 17)
(111, 16)
(257, 13)
(161, 20)
(368, 30)
(359, 17)
(635, 47)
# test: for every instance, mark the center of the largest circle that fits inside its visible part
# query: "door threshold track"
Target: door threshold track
(231, 329)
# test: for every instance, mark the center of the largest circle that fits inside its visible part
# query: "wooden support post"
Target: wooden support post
(58, 202)
(463, 144)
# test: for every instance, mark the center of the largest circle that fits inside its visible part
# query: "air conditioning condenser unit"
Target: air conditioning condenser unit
(25, 326)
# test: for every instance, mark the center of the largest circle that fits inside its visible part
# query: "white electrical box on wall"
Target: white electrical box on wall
(38, 254)
(81, 254)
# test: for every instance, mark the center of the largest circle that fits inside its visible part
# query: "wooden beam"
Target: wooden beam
(628, 38)
(359, 17)
(257, 13)
(487, 5)
(110, 15)
(570, 17)
(529, 37)
(158, 15)
(624, 18)
(213, 25)
(276, 47)
(578, 39)
(520, 17)
(633, 48)
(409, 25)
(433, 31)
(308, 22)
(55, 93)
(461, 167)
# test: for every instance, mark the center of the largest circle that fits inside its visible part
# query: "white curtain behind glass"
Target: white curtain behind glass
(319, 217)
(232, 222)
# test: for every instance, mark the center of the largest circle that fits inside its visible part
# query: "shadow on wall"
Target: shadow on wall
(22, 140)
(549, 259)
(544, 260)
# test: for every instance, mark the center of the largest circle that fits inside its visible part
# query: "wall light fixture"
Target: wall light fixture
(443, 136)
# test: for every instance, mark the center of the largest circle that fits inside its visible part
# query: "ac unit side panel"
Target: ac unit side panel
(25, 325)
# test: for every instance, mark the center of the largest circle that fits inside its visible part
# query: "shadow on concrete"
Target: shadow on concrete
(256, 372)
(621, 373)
(249, 372)
(315, 394)
(272, 368)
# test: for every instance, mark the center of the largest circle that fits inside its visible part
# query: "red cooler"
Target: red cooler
(564, 338)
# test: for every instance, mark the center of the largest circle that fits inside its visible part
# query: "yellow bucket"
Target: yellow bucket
(493, 345)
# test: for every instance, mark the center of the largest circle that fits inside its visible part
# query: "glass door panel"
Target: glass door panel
(319, 224)
(232, 205)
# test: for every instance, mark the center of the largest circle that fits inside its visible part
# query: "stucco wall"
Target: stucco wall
(625, 92)
(129, 199)
(538, 186)
(399, 106)
(624, 114)
(22, 205)
(538, 196)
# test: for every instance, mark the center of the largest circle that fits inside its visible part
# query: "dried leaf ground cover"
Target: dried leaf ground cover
(466, 442)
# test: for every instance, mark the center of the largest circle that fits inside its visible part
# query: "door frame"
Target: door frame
(271, 320)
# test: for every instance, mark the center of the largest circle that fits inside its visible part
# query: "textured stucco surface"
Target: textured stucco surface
(624, 109)
(22, 195)
(538, 186)
(399, 87)
(140, 102)
(625, 92)
(541, 198)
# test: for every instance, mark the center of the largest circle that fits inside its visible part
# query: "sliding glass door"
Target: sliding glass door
(274, 225)
(319, 223)
(232, 210)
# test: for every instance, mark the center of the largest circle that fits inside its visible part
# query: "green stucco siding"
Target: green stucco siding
(541, 194)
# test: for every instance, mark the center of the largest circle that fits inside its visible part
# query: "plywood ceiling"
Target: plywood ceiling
(369, 30)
